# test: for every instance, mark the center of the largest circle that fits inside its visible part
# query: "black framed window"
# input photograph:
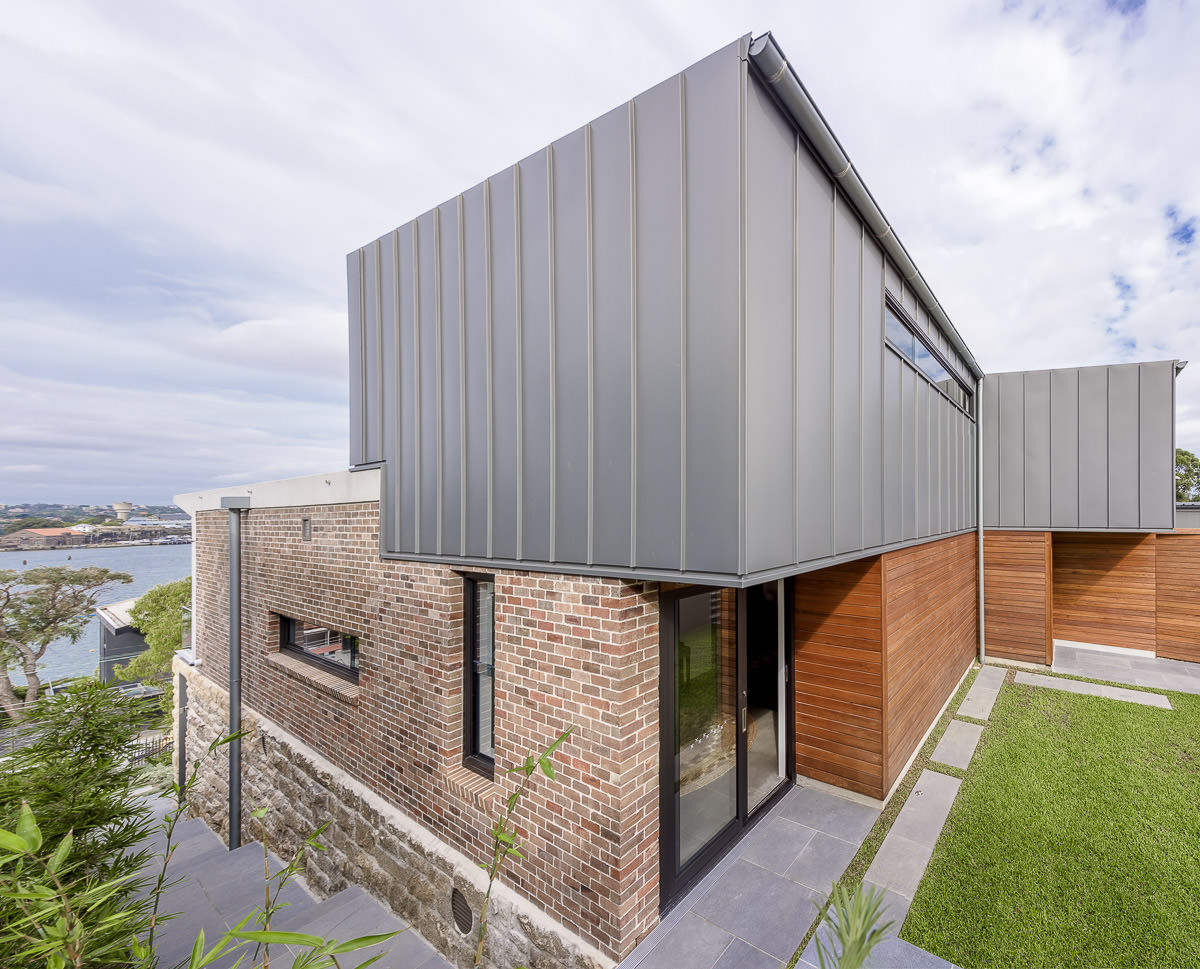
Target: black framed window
(479, 669)
(320, 645)
(906, 338)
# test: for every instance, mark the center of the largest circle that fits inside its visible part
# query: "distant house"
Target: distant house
(659, 434)
(120, 639)
(40, 538)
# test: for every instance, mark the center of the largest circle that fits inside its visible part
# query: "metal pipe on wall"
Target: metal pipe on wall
(235, 506)
(979, 511)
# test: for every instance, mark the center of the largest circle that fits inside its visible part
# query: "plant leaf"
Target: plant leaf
(60, 853)
(12, 842)
(275, 937)
(27, 828)
(362, 942)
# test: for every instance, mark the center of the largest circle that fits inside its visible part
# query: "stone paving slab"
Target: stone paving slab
(891, 953)
(958, 743)
(1095, 689)
(1151, 671)
(925, 812)
(982, 696)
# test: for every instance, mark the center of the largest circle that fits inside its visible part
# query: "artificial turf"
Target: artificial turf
(1074, 839)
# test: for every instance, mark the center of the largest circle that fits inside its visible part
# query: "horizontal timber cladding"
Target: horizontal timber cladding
(1087, 448)
(838, 634)
(930, 633)
(1104, 589)
(1018, 595)
(879, 645)
(654, 348)
(1177, 595)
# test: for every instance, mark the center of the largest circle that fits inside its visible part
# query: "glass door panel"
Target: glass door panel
(706, 721)
(766, 755)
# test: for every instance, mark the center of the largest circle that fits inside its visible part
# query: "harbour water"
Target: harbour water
(150, 565)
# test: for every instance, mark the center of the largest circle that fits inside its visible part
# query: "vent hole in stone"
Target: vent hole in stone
(463, 917)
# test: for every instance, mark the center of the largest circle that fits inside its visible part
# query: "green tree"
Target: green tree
(38, 606)
(158, 616)
(1187, 475)
(22, 523)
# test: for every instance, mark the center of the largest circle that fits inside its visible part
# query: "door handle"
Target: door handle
(743, 719)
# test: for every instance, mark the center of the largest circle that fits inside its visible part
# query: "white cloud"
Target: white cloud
(179, 185)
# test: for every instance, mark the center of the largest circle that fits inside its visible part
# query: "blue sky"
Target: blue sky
(180, 183)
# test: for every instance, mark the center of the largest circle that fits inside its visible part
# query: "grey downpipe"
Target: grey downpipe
(774, 69)
(235, 506)
(979, 512)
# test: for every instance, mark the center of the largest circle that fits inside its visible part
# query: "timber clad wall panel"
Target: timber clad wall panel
(839, 676)
(1104, 589)
(930, 636)
(1177, 595)
(1018, 601)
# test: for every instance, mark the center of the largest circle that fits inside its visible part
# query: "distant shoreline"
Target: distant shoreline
(97, 545)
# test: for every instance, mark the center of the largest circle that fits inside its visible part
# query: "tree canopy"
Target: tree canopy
(38, 606)
(1187, 476)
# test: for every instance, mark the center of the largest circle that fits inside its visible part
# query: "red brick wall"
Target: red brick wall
(569, 651)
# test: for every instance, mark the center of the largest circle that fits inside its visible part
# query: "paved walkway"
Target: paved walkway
(220, 887)
(755, 907)
(1126, 667)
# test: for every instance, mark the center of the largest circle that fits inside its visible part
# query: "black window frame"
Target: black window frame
(287, 644)
(473, 758)
(892, 306)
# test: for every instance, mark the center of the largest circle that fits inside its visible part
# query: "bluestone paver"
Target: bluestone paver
(742, 955)
(829, 813)
(898, 866)
(982, 696)
(958, 744)
(822, 862)
(925, 812)
(767, 910)
(694, 941)
(1095, 689)
(1139, 670)
(779, 844)
(891, 953)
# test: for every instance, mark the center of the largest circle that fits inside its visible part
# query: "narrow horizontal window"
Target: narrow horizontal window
(905, 339)
(335, 650)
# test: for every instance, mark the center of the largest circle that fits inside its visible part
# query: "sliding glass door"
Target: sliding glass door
(724, 720)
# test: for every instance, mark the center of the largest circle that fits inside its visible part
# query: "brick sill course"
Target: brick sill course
(328, 683)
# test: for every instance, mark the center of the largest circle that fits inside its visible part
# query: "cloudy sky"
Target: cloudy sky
(180, 183)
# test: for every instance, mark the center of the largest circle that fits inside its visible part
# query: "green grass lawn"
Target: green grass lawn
(1074, 840)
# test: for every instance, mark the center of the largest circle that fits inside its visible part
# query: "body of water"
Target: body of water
(150, 565)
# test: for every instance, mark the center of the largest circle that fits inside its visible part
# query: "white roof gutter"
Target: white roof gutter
(775, 71)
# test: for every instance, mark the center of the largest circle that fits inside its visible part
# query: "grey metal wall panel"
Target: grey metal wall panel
(991, 451)
(893, 442)
(372, 416)
(537, 389)
(713, 291)
(656, 344)
(476, 469)
(1012, 445)
(659, 325)
(1156, 441)
(572, 322)
(873, 480)
(1124, 499)
(358, 403)
(1037, 447)
(1064, 448)
(1187, 517)
(428, 340)
(814, 317)
(612, 343)
(909, 385)
(450, 365)
(389, 348)
(406, 479)
(506, 395)
(770, 181)
(1093, 447)
(847, 380)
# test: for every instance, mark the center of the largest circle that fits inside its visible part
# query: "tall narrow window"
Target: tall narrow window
(479, 687)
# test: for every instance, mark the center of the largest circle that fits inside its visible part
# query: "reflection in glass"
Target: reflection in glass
(705, 717)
